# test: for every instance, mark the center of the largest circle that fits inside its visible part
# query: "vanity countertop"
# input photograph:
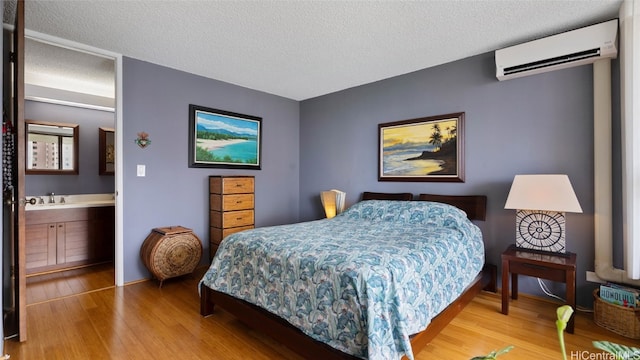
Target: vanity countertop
(69, 201)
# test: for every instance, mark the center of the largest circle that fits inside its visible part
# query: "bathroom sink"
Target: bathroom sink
(70, 201)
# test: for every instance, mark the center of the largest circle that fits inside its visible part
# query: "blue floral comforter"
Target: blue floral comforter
(362, 282)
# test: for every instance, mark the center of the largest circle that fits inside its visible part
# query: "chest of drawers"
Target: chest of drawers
(231, 207)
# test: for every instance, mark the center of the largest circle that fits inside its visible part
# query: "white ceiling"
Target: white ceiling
(302, 49)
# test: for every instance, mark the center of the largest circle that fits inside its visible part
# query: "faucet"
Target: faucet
(52, 199)
(40, 200)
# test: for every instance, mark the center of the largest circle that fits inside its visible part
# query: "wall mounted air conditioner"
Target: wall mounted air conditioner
(571, 48)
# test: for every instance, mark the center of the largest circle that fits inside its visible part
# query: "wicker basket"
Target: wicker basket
(619, 319)
(171, 251)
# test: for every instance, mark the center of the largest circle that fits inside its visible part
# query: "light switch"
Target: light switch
(141, 170)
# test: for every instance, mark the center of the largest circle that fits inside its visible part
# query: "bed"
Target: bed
(319, 289)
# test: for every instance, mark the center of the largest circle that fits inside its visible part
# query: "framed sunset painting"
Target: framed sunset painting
(223, 139)
(424, 149)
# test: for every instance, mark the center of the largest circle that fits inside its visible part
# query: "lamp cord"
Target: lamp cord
(548, 292)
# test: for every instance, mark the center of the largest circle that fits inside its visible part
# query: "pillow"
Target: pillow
(408, 212)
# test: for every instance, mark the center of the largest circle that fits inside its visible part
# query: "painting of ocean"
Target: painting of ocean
(424, 149)
(223, 139)
(244, 151)
(395, 162)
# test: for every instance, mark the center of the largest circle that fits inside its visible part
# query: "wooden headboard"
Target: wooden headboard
(474, 205)
(367, 195)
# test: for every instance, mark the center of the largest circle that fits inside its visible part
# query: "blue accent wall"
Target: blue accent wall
(156, 100)
(536, 124)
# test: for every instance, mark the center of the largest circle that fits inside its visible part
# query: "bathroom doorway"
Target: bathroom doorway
(77, 88)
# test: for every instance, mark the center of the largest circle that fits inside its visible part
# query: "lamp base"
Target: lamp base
(540, 230)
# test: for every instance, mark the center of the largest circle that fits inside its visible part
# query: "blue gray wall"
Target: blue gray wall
(156, 100)
(88, 180)
(536, 124)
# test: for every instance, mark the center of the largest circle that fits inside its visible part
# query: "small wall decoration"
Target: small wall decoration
(424, 149)
(106, 151)
(143, 140)
(223, 139)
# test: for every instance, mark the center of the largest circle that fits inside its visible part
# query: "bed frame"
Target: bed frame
(290, 336)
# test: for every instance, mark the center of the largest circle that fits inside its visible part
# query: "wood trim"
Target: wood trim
(20, 149)
(103, 144)
(367, 195)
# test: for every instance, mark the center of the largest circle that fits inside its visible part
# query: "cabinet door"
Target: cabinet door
(40, 245)
(76, 241)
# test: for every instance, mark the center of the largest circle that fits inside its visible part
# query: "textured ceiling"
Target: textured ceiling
(47, 65)
(303, 49)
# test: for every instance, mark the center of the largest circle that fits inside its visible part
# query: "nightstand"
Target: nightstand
(541, 265)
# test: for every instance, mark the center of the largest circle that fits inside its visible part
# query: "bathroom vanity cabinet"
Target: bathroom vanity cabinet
(64, 238)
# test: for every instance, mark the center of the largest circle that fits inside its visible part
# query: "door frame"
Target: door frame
(119, 173)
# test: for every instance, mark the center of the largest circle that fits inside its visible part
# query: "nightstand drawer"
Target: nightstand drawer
(221, 202)
(230, 219)
(231, 185)
(538, 271)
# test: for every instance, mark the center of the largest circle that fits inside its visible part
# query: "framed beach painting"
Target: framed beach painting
(424, 149)
(223, 139)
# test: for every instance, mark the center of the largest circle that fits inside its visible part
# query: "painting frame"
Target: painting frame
(233, 140)
(106, 151)
(440, 150)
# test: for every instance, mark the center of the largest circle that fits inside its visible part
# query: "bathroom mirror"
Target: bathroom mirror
(52, 148)
(106, 143)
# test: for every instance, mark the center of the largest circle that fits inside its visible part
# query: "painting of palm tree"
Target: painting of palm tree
(424, 149)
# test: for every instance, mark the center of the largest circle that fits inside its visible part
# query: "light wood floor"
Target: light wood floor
(55, 285)
(142, 321)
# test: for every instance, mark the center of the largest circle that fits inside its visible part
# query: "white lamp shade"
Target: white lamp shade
(542, 192)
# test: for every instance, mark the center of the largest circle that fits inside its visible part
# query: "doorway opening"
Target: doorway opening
(69, 251)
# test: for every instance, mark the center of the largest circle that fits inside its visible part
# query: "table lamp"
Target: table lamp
(332, 202)
(541, 202)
